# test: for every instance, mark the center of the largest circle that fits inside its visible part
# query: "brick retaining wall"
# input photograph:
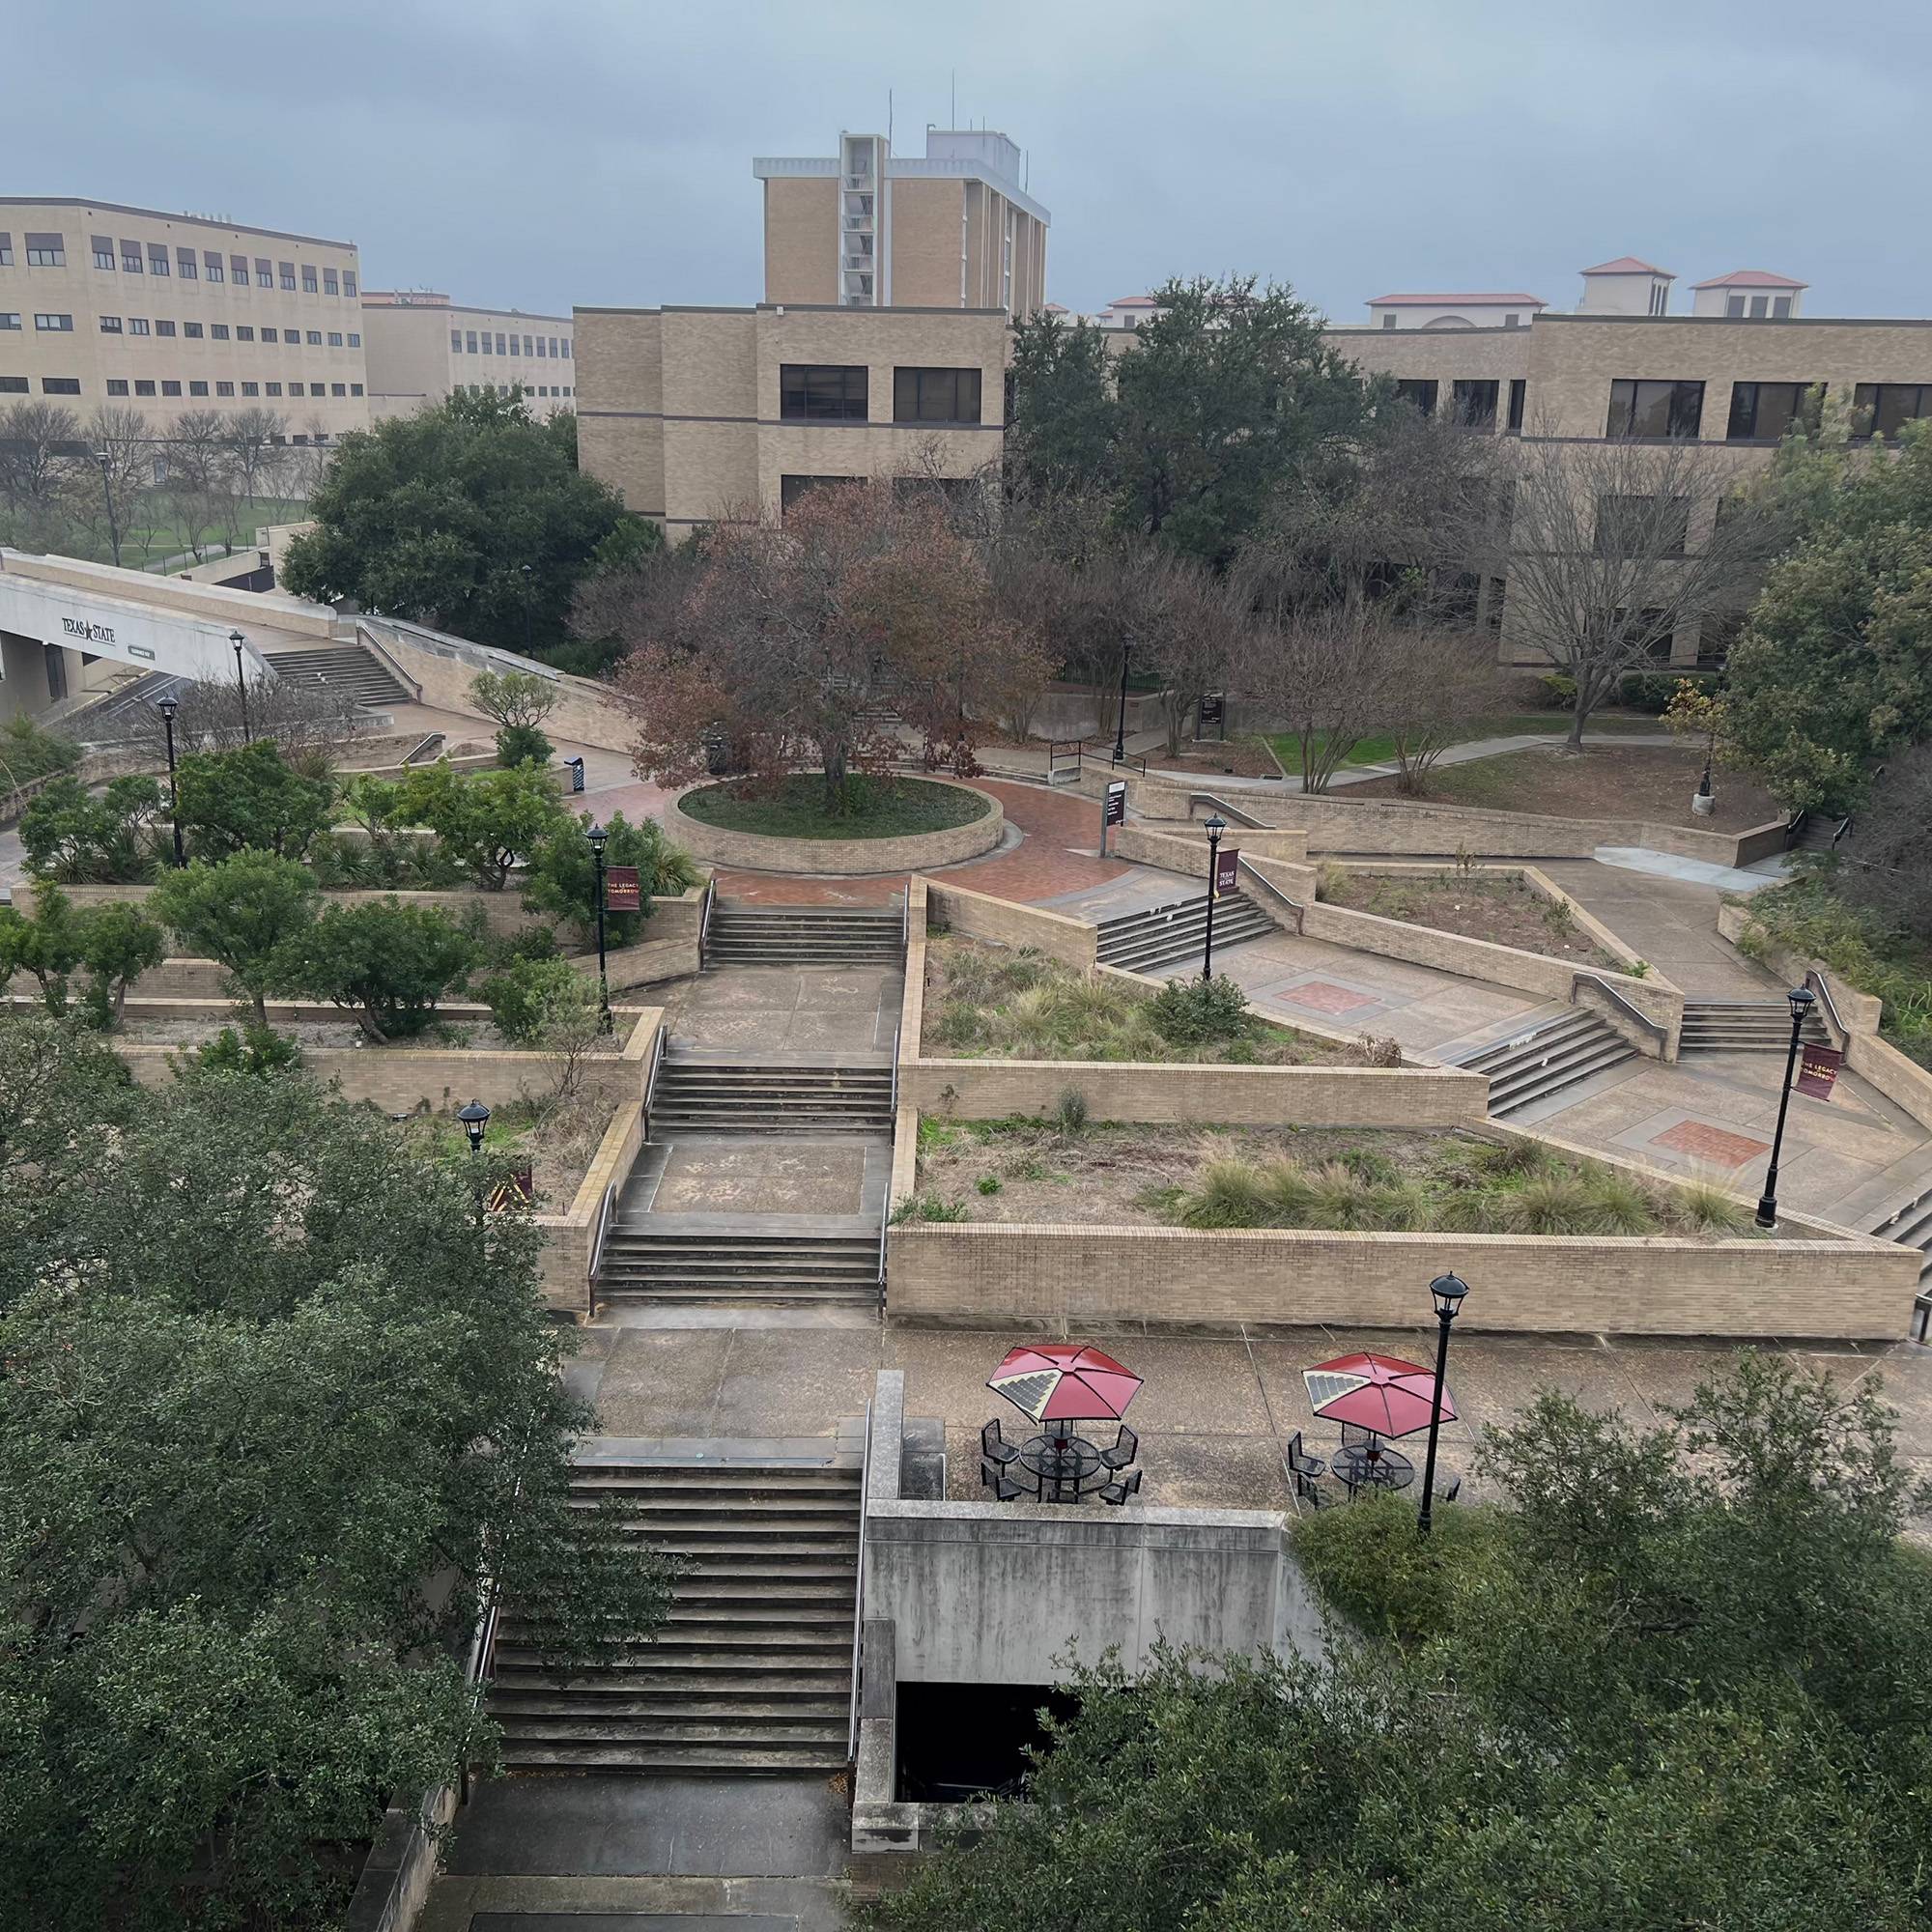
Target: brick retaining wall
(843, 857)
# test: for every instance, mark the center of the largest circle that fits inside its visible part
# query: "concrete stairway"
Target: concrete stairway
(739, 1096)
(1744, 1025)
(648, 1263)
(1908, 1223)
(753, 1672)
(1570, 1048)
(749, 935)
(352, 668)
(1173, 935)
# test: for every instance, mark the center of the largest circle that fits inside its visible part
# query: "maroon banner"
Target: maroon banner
(621, 891)
(1817, 1068)
(516, 1189)
(1227, 870)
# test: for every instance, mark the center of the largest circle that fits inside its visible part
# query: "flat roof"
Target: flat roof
(771, 308)
(903, 167)
(164, 215)
(1476, 299)
(385, 299)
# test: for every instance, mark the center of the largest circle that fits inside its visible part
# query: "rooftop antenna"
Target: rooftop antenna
(888, 116)
(954, 111)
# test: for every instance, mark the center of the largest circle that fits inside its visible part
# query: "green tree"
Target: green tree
(118, 943)
(272, 1413)
(1833, 669)
(562, 880)
(48, 946)
(519, 701)
(470, 516)
(486, 821)
(250, 800)
(71, 836)
(526, 995)
(240, 913)
(1065, 420)
(386, 962)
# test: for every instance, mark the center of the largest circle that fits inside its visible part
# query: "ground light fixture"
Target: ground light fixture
(1447, 1291)
(1803, 1000)
(167, 707)
(1216, 825)
(239, 642)
(598, 838)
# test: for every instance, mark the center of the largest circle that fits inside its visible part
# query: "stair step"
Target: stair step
(689, 1758)
(752, 1731)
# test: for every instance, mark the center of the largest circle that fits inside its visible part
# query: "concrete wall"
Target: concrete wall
(956, 909)
(845, 857)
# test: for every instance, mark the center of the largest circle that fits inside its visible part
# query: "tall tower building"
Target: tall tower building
(867, 228)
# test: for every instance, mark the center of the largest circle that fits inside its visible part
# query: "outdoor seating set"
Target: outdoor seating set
(1055, 1384)
(1374, 1397)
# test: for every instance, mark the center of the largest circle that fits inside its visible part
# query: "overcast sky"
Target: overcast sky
(545, 153)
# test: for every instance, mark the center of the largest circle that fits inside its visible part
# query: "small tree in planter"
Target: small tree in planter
(48, 946)
(241, 914)
(118, 944)
(385, 962)
(80, 840)
(562, 882)
(518, 701)
(250, 800)
(487, 822)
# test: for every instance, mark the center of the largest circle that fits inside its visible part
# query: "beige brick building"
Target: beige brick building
(422, 347)
(867, 228)
(697, 414)
(132, 308)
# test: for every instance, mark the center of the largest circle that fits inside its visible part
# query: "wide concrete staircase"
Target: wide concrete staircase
(739, 1096)
(1744, 1026)
(1158, 937)
(352, 668)
(1533, 1066)
(754, 1670)
(758, 935)
(652, 1265)
(1908, 1223)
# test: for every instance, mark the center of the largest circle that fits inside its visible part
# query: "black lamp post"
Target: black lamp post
(1447, 1290)
(1120, 723)
(1216, 825)
(528, 582)
(1802, 1001)
(236, 638)
(167, 707)
(598, 838)
(475, 1119)
(106, 460)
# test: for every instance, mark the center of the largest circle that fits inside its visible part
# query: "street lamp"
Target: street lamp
(167, 707)
(1216, 825)
(1802, 1001)
(526, 571)
(105, 461)
(475, 1119)
(236, 638)
(1120, 723)
(598, 837)
(1447, 1290)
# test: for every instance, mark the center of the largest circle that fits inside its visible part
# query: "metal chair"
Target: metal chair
(1126, 1448)
(994, 1478)
(1120, 1491)
(1355, 1437)
(1448, 1492)
(1308, 1491)
(993, 1447)
(1300, 1463)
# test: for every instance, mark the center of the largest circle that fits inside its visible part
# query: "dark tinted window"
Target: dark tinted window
(1882, 408)
(1518, 389)
(792, 488)
(1475, 404)
(1421, 393)
(1654, 410)
(1642, 526)
(1762, 412)
(813, 392)
(936, 395)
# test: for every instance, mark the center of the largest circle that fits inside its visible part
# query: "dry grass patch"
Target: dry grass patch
(1500, 906)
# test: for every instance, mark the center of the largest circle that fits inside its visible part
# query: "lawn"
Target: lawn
(1380, 749)
(154, 531)
(795, 807)
(1499, 907)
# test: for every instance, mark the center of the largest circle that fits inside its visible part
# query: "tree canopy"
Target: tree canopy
(470, 516)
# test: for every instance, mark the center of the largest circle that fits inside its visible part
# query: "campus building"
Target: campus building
(422, 347)
(701, 414)
(867, 228)
(103, 305)
(1732, 375)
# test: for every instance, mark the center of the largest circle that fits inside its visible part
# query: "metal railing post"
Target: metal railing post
(859, 1583)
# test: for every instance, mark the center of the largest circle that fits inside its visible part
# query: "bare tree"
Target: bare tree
(310, 718)
(253, 439)
(201, 477)
(1183, 620)
(308, 460)
(1615, 546)
(1438, 681)
(122, 447)
(1882, 863)
(40, 449)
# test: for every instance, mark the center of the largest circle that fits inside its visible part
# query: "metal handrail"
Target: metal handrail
(905, 921)
(1844, 826)
(422, 744)
(859, 1583)
(1247, 870)
(602, 1229)
(1055, 748)
(1234, 811)
(1624, 1001)
(483, 1644)
(1794, 827)
(1815, 979)
(651, 1077)
(704, 918)
(375, 646)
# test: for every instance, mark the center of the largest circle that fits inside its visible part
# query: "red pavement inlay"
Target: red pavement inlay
(1323, 996)
(1712, 1144)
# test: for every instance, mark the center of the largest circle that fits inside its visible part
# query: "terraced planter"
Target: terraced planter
(842, 856)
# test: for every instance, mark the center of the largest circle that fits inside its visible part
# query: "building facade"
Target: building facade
(103, 305)
(1449, 310)
(704, 415)
(867, 228)
(423, 348)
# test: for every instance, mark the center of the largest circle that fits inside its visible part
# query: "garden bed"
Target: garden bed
(1068, 1173)
(558, 1143)
(795, 807)
(1502, 907)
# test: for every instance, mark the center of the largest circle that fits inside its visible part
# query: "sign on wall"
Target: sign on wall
(108, 627)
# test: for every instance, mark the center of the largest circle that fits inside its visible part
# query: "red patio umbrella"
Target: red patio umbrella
(1378, 1392)
(1065, 1381)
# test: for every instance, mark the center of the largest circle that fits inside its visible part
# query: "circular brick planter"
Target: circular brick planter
(908, 852)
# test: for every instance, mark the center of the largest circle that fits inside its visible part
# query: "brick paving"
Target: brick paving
(1713, 1144)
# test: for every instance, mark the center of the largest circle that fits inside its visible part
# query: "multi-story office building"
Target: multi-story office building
(701, 414)
(867, 228)
(131, 308)
(422, 347)
(1622, 367)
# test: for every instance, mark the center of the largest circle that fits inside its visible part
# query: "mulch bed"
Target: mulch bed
(1501, 907)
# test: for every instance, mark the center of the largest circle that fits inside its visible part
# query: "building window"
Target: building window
(566, 349)
(1513, 321)
(1642, 526)
(1474, 404)
(331, 285)
(243, 333)
(541, 350)
(110, 325)
(45, 251)
(954, 491)
(238, 270)
(224, 389)
(1882, 408)
(793, 489)
(55, 660)
(137, 324)
(13, 385)
(219, 331)
(5, 251)
(555, 351)
(288, 276)
(1780, 308)
(500, 349)
(1389, 320)
(251, 389)
(1762, 412)
(1519, 392)
(336, 338)
(271, 388)
(161, 328)
(455, 342)
(355, 340)
(184, 266)
(142, 388)
(318, 388)
(158, 259)
(211, 267)
(356, 389)
(470, 340)
(936, 395)
(197, 388)
(530, 345)
(130, 258)
(1654, 411)
(264, 277)
(348, 282)
(315, 338)
(338, 388)
(54, 324)
(191, 330)
(310, 286)
(103, 252)
(60, 386)
(1418, 390)
(9, 318)
(170, 388)
(117, 386)
(814, 392)
(270, 335)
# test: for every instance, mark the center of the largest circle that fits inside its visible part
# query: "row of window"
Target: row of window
(465, 342)
(551, 390)
(153, 258)
(1472, 404)
(813, 393)
(958, 491)
(316, 338)
(119, 386)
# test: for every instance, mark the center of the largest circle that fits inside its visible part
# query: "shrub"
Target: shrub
(255, 1050)
(486, 822)
(1557, 687)
(927, 1208)
(1229, 1193)
(1070, 1116)
(241, 913)
(250, 799)
(118, 944)
(1653, 689)
(527, 996)
(561, 881)
(1707, 1207)
(46, 946)
(1381, 1049)
(1194, 1011)
(71, 835)
(1331, 880)
(1368, 1563)
(29, 750)
(517, 700)
(386, 962)
(523, 745)
(988, 1183)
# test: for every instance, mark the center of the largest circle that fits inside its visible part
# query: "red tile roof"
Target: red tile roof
(1629, 265)
(1486, 298)
(1750, 278)
(1133, 301)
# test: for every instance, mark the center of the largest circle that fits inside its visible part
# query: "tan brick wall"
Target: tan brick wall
(801, 238)
(1060, 1281)
(979, 916)
(925, 242)
(1186, 850)
(711, 363)
(844, 857)
(619, 359)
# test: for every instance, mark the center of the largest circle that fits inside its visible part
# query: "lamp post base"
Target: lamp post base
(1767, 1212)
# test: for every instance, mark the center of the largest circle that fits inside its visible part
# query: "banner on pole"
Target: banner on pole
(1817, 1071)
(1227, 870)
(621, 890)
(1117, 801)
